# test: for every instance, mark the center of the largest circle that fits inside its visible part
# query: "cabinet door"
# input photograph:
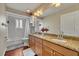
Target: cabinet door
(32, 42)
(47, 51)
(67, 24)
(38, 49)
(38, 46)
(77, 23)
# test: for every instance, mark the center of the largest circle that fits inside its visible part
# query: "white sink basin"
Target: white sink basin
(59, 40)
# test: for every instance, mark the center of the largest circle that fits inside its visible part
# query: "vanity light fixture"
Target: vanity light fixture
(39, 11)
(35, 14)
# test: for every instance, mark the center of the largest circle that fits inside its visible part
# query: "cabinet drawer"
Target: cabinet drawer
(38, 49)
(60, 49)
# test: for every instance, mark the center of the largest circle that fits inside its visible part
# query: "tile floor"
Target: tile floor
(23, 51)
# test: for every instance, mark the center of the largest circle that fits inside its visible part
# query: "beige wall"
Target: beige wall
(53, 21)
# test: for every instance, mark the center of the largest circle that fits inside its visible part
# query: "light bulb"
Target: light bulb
(35, 14)
(28, 11)
(41, 12)
(57, 4)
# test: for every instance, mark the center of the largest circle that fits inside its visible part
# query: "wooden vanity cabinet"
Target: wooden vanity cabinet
(45, 48)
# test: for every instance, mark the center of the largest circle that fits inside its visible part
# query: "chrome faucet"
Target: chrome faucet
(60, 36)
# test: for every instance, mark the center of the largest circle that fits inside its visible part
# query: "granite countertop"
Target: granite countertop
(68, 43)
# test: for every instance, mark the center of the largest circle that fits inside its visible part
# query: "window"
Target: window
(19, 23)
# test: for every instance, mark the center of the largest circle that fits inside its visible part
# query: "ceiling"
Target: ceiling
(23, 6)
(32, 6)
(53, 10)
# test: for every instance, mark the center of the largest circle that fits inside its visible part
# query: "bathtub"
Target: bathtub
(13, 44)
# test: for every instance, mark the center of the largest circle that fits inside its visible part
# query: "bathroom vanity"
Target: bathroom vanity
(51, 46)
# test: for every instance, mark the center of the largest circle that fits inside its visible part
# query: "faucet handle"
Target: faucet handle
(58, 36)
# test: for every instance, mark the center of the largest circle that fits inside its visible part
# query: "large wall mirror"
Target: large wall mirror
(63, 19)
